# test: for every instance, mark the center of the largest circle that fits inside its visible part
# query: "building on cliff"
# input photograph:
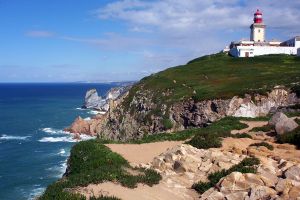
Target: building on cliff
(257, 45)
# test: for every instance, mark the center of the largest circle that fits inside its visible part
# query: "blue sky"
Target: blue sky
(116, 40)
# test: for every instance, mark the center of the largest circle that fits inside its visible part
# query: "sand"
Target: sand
(142, 153)
(157, 192)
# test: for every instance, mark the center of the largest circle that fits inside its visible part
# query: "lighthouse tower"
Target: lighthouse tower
(258, 28)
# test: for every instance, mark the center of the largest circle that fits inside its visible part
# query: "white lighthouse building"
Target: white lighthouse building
(257, 45)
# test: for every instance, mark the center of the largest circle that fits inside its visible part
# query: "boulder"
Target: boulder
(293, 173)
(261, 192)
(285, 126)
(234, 182)
(282, 123)
(277, 117)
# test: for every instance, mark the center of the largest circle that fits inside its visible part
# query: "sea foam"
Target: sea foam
(57, 139)
(13, 137)
(53, 131)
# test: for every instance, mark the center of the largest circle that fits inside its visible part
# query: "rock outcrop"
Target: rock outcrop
(260, 105)
(92, 100)
(282, 123)
(140, 115)
(88, 127)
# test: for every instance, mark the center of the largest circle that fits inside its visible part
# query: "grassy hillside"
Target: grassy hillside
(221, 76)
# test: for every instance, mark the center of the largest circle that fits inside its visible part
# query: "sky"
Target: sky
(125, 40)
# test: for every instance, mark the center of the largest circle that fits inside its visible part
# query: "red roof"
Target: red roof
(258, 12)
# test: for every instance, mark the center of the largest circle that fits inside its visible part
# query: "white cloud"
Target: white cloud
(186, 29)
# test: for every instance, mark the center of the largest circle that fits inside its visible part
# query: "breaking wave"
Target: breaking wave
(53, 131)
(57, 139)
(12, 137)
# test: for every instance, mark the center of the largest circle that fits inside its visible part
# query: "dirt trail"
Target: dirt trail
(142, 153)
(160, 191)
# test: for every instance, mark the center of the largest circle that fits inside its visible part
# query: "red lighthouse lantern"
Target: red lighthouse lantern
(258, 17)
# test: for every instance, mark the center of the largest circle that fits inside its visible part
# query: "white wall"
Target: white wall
(262, 50)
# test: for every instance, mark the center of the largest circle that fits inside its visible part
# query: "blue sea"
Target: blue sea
(33, 147)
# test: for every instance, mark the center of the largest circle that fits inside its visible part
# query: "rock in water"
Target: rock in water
(79, 126)
(282, 123)
(92, 100)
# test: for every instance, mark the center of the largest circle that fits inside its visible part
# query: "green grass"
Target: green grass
(264, 144)
(248, 165)
(220, 76)
(92, 162)
(292, 137)
(211, 136)
(266, 128)
(242, 135)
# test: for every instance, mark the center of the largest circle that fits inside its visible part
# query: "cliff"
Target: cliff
(202, 91)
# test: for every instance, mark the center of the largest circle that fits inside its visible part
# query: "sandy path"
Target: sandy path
(251, 125)
(142, 153)
(144, 192)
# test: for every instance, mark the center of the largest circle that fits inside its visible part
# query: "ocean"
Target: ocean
(33, 146)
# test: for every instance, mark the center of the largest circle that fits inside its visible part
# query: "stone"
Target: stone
(293, 173)
(285, 126)
(234, 182)
(178, 167)
(283, 185)
(253, 179)
(277, 117)
(261, 192)
(294, 192)
(282, 123)
(236, 196)
(212, 194)
(267, 177)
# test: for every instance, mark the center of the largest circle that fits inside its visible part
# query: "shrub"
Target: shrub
(248, 165)
(242, 135)
(266, 128)
(206, 141)
(265, 144)
(296, 89)
(211, 136)
(292, 137)
(167, 123)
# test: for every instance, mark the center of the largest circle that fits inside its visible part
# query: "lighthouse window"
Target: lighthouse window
(259, 30)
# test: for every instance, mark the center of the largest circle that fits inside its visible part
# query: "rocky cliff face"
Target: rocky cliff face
(132, 120)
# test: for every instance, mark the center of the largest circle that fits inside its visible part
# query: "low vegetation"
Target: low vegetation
(264, 144)
(211, 136)
(219, 76)
(248, 165)
(292, 137)
(92, 162)
(266, 128)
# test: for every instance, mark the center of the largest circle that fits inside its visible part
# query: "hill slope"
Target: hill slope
(200, 92)
(222, 76)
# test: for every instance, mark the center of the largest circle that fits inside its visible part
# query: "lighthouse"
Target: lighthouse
(258, 28)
